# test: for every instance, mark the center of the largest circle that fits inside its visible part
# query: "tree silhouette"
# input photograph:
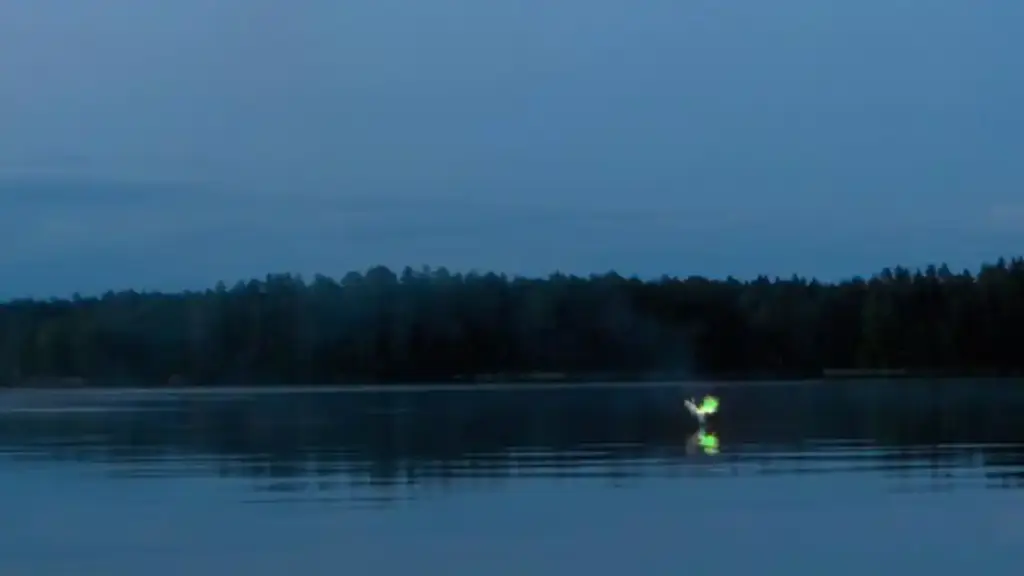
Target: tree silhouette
(432, 325)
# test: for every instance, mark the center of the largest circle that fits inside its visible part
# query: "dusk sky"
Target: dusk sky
(171, 144)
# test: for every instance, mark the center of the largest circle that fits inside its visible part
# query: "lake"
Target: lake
(834, 478)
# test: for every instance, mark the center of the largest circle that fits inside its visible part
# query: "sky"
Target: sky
(169, 145)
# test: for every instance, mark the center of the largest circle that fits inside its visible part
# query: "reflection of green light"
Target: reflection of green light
(709, 442)
(709, 405)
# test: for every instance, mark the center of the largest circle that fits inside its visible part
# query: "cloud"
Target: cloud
(1008, 215)
(49, 219)
(90, 235)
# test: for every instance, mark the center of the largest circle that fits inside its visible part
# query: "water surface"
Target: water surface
(835, 478)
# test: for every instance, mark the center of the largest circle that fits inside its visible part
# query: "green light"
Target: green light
(709, 405)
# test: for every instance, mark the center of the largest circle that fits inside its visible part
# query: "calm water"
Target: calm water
(852, 478)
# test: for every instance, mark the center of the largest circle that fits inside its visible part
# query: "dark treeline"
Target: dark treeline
(432, 325)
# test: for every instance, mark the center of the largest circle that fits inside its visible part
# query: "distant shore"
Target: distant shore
(428, 326)
(537, 380)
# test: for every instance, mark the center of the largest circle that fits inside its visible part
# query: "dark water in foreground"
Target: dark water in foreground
(852, 478)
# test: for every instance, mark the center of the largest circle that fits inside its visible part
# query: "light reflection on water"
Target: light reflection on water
(395, 468)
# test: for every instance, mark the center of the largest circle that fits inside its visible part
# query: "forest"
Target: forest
(432, 325)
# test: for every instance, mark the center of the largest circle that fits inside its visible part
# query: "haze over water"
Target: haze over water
(835, 478)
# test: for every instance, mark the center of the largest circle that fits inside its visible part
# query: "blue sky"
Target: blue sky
(173, 144)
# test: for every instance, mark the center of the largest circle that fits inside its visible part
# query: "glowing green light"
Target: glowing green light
(709, 405)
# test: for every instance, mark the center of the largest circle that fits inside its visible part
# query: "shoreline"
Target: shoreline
(481, 385)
